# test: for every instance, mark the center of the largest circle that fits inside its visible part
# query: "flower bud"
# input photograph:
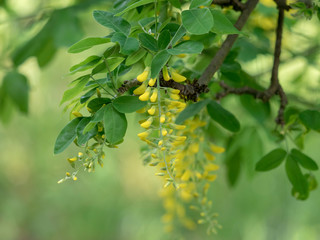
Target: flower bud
(152, 81)
(177, 77)
(165, 74)
(143, 76)
(154, 96)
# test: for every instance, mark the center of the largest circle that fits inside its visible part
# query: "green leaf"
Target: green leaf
(135, 57)
(178, 35)
(304, 160)
(73, 92)
(98, 116)
(112, 62)
(115, 124)
(128, 45)
(223, 117)
(311, 119)
(222, 24)
(66, 136)
(296, 177)
(175, 3)
(15, 85)
(148, 42)
(197, 21)
(47, 53)
(108, 20)
(86, 64)
(187, 47)
(135, 5)
(88, 95)
(158, 62)
(164, 39)
(198, 3)
(87, 43)
(191, 110)
(95, 104)
(85, 137)
(128, 104)
(272, 160)
(258, 109)
(146, 21)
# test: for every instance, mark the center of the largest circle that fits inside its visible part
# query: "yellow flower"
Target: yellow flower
(152, 81)
(211, 167)
(164, 132)
(152, 110)
(162, 119)
(177, 77)
(216, 149)
(76, 114)
(146, 95)
(147, 124)
(174, 96)
(165, 74)
(68, 174)
(143, 76)
(160, 143)
(174, 91)
(209, 156)
(143, 135)
(72, 159)
(154, 96)
(186, 38)
(140, 90)
(186, 176)
(182, 55)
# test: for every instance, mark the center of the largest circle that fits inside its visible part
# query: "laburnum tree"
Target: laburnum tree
(175, 64)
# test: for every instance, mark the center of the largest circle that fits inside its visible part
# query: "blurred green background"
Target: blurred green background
(121, 201)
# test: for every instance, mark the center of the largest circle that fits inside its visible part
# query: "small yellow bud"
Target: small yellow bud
(143, 135)
(201, 6)
(75, 178)
(68, 174)
(160, 143)
(164, 132)
(160, 174)
(146, 95)
(162, 118)
(152, 81)
(211, 167)
(72, 159)
(177, 77)
(201, 221)
(187, 174)
(140, 90)
(174, 91)
(216, 149)
(98, 93)
(163, 149)
(76, 114)
(143, 76)
(147, 124)
(211, 178)
(152, 110)
(142, 110)
(153, 155)
(165, 74)
(154, 96)
(179, 127)
(174, 96)
(80, 154)
(209, 157)
(186, 38)
(182, 55)
(153, 164)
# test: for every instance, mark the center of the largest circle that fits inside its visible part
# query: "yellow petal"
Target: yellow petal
(143, 76)
(152, 110)
(165, 74)
(152, 81)
(140, 90)
(145, 96)
(216, 149)
(177, 77)
(154, 96)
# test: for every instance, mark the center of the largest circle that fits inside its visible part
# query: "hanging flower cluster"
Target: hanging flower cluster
(164, 104)
(193, 171)
(178, 152)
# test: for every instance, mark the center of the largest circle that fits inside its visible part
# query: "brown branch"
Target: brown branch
(275, 88)
(220, 56)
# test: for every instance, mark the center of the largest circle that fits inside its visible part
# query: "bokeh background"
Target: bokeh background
(120, 201)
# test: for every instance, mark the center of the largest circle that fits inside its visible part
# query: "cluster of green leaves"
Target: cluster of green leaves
(129, 48)
(61, 28)
(307, 9)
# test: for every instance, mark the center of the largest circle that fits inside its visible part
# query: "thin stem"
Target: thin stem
(156, 18)
(101, 86)
(160, 129)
